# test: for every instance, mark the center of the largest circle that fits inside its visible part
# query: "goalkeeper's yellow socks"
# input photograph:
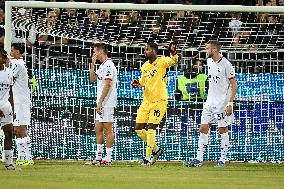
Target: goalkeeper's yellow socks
(143, 135)
(151, 133)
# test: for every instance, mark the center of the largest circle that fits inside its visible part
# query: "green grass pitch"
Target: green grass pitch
(127, 175)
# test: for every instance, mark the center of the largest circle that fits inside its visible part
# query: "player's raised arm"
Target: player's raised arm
(174, 57)
(93, 75)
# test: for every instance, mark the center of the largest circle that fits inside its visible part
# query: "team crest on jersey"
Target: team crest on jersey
(108, 73)
(214, 79)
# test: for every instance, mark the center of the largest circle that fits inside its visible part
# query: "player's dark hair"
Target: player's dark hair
(3, 53)
(215, 43)
(153, 46)
(101, 46)
(3, 58)
(18, 46)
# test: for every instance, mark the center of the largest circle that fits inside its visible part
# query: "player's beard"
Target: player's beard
(209, 55)
(148, 56)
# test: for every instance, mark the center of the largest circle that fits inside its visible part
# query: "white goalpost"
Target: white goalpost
(63, 103)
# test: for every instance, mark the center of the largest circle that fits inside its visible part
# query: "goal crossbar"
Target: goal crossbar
(125, 6)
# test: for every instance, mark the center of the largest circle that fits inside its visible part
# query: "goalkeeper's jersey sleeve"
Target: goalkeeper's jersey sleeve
(154, 78)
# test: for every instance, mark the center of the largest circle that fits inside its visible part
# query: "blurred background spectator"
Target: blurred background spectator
(192, 85)
(235, 24)
(2, 30)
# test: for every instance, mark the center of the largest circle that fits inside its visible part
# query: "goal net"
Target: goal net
(58, 39)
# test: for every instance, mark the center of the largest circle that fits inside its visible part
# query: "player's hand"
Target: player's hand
(229, 110)
(94, 58)
(99, 108)
(135, 83)
(173, 47)
(1, 114)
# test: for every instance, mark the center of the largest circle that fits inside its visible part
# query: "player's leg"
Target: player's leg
(223, 121)
(206, 118)
(7, 127)
(109, 142)
(100, 140)
(141, 131)
(20, 146)
(23, 145)
(107, 120)
(202, 141)
(157, 113)
(8, 142)
(152, 147)
(23, 141)
(224, 145)
(141, 121)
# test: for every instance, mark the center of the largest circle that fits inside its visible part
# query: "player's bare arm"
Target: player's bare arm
(174, 58)
(93, 75)
(107, 86)
(229, 107)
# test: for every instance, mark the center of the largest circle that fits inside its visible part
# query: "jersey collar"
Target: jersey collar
(218, 61)
(106, 60)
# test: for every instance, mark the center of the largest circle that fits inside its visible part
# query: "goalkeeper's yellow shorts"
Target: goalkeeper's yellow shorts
(150, 112)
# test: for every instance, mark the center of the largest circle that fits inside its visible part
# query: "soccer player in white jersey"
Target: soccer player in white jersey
(106, 78)
(6, 112)
(218, 107)
(22, 105)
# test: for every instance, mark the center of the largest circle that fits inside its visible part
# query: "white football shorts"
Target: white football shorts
(212, 114)
(8, 114)
(106, 116)
(22, 114)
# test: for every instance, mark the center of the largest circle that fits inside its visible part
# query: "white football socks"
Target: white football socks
(99, 152)
(224, 146)
(20, 148)
(109, 154)
(202, 144)
(27, 144)
(8, 156)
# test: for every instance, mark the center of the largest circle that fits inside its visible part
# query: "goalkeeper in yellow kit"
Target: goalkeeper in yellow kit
(155, 97)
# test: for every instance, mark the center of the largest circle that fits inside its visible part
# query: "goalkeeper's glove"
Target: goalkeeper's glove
(173, 48)
(135, 83)
(33, 83)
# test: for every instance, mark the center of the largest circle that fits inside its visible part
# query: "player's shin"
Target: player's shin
(20, 148)
(202, 144)
(8, 157)
(224, 146)
(109, 154)
(27, 144)
(99, 152)
(151, 134)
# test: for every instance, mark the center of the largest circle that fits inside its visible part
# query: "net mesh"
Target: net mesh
(58, 45)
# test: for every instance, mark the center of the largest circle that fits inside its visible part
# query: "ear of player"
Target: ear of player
(135, 83)
(173, 48)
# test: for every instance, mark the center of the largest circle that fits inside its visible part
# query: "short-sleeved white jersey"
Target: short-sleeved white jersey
(107, 71)
(6, 80)
(219, 75)
(21, 91)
